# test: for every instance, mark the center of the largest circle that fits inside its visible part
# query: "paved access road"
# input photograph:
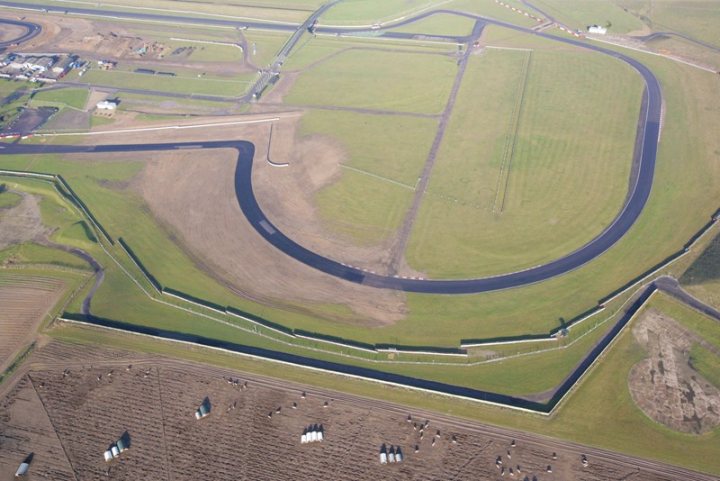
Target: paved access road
(641, 185)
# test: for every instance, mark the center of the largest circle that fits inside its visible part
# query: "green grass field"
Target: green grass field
(320, 48)
(578, 14)
(702, 278)
(8, 199)
(371, 197)
(707, 363)
(534, 163)
(75, 98)
(377, 80)
(183, 83)
(697, 18)
(440, 24)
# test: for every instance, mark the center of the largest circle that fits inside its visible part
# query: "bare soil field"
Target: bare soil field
(24, 303)
(22, 223)
(252, 432)
(664, 385)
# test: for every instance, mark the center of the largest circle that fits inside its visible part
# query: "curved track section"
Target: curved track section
(32, 30)
(641, 185)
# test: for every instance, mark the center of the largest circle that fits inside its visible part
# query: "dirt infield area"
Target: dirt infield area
(83, 399)
(664, 385)
(192, 194)
(24, 303)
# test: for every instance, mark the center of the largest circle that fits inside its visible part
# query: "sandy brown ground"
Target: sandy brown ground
(10, 32)
(665, 386)
(24, 303)
(92, 396)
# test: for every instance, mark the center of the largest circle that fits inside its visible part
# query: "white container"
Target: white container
(115, 451)
(108, 456)
(391, 457)
(313, 436)
(303, 439)
(319, 436)
(22, 470)
(383, 458)
(398, 457)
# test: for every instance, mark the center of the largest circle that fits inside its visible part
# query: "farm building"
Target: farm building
(597, 29)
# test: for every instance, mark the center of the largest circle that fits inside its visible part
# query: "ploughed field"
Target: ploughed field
(75, 401)
(24, 302)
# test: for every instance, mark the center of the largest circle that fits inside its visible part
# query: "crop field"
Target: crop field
(253, 428)
(25, 302)
(541, 164)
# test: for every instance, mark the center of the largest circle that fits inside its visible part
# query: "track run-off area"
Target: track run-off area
(641, 182)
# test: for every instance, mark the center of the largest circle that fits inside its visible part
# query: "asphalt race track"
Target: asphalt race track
(641, 185)
(32, 31)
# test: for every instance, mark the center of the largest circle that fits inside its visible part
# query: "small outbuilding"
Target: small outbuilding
(106, 105)
(597, 29)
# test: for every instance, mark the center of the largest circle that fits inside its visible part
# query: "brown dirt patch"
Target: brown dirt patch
(10, 32)
(91, 403)
(25, 301)
(665, 386)
(195, 197)
(22, 222)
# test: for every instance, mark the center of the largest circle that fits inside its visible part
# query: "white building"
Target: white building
(107, 105)
(597, 29)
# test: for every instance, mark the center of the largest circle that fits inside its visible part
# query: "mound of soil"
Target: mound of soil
(664, 385)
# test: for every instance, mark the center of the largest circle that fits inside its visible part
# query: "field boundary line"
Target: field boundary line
(511, 140)
(379, 177)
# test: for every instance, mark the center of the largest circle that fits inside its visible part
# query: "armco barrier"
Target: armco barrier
(136, 260)
(194, 300)
(337, 341)
(259, 321)
(29, 174)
